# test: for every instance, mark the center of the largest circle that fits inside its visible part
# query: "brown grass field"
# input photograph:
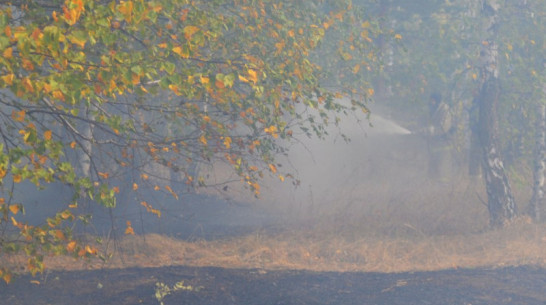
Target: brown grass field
(415, 236)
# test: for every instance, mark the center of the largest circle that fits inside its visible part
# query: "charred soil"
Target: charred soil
(213, 285)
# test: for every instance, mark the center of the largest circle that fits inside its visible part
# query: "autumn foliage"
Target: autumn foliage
(93, 90)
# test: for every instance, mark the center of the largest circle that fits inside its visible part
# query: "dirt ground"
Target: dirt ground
(211, 285)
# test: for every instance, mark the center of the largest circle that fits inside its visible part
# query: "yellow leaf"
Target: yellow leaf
(60, 235)
(204, 80)
(7, 31)
(135, 79)
(66, 214)
(189, 31)
(73, 144)
(7, 277)
(47, 135)
(129, 230)
(14, 209)
(77, 41)
(162, 45)
(174, 88)
(17, 178)
(28, 84)
(126, 9)
(398, 36)
(280, 46)
(18, 116)
(135, 186)
(203, 140)
(474, 76)
(104, 175)
(144, 176)
(27, 65)
(71, 246)
(272, 130)
(42, 159)
(178, 50)
(273, 168)
(168, 188)
(370, 91)
(227, 142)
(281, 177)
(58, 94)
(156, 188)
(8, 79)
(356, 68)
(90, 250)
(243, 79)
(252, 75)
(8, 53)
(26, 135)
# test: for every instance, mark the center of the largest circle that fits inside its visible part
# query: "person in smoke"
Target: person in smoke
(439, 130)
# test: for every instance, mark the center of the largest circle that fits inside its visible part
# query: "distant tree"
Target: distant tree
(97, 92)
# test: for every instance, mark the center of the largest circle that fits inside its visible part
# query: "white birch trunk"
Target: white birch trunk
(500, 201)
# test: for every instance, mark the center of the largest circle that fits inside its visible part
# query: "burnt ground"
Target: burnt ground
(512, 285)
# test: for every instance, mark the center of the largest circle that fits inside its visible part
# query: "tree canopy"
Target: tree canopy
(94, 93)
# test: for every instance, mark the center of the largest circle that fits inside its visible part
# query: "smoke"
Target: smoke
(335, 176)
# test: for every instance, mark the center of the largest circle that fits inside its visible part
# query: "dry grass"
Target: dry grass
(416, 225)
(521, 243)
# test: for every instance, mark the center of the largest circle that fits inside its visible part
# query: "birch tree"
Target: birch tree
(215, 82)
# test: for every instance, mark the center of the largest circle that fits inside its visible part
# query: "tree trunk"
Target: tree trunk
(500, 201)
(86, 142)
(539, 164)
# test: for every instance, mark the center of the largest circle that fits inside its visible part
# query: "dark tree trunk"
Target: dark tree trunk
(537, 200)
(500, 201)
